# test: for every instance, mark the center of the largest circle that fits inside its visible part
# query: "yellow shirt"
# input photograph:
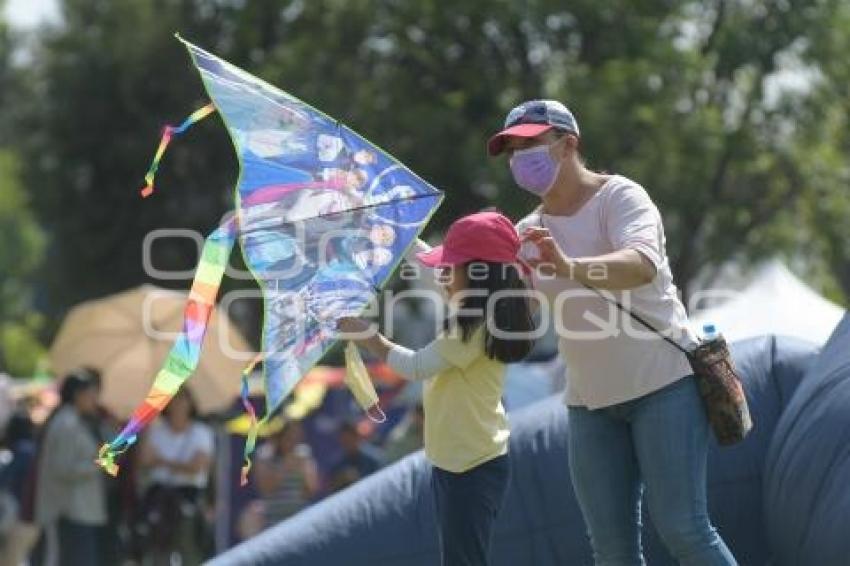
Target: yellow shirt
(465, 422)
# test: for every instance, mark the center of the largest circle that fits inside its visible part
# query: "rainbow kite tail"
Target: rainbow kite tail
(251, 440)
(167, 134)
(186, 351)
(110, 451)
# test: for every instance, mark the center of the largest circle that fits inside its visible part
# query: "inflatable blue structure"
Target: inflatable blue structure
(807, 473)
(777, 498)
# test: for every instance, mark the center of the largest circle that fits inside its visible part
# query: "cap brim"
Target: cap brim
(497, 143)
(437, 257)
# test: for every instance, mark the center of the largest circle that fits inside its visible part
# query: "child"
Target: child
(466, 430)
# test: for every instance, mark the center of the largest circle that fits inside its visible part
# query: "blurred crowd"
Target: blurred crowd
(58, 508)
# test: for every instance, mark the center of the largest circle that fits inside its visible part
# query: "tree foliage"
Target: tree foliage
(20, 259)
(686, 97)
(22, 238)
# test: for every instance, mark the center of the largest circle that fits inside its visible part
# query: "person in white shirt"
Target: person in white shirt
(636, 420)
(177, 454)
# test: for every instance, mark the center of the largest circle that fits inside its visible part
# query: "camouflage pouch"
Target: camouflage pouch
(721, 390)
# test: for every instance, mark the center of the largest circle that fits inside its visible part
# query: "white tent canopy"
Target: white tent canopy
(774, 302)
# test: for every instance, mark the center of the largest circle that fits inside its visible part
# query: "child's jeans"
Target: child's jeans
(658, 441)
(467, 505)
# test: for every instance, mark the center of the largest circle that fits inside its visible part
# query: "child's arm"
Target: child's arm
(420, 364)
(411, 365)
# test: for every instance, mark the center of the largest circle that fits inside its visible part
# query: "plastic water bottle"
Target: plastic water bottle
(710, 332)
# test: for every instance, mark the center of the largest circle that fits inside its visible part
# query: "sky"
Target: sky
(25, 14)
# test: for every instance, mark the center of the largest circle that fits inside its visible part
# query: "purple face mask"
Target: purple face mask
(534, 169)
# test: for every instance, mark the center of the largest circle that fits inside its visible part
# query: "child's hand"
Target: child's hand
(551, 259)
(352, 325)
(364, 333)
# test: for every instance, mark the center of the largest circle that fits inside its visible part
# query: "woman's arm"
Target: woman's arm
(68, 453)
(622, 269)
(200, 462)
(148, 455)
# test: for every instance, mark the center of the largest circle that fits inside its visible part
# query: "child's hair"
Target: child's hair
(510, 313)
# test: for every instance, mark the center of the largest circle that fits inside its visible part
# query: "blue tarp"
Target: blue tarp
(388, 518)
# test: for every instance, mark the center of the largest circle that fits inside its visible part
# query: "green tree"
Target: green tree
(681, 96)
(7, 75)
(104, 83)
(677, 95)
(20, 259)
(23, 240)
(824, 148)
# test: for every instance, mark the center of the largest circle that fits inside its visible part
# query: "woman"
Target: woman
(466, 430)
(286, 474)
(635, 416)
(177, 454)
(70, 499)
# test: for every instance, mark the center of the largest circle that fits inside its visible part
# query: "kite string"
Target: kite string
(167, 134)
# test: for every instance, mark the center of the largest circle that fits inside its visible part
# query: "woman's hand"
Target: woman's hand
(622, 269)
(551, 259)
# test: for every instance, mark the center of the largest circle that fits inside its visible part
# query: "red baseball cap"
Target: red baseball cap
(532, 118)
(484, 236)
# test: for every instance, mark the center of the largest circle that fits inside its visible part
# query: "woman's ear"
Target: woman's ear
(563, 147)
(570, 144)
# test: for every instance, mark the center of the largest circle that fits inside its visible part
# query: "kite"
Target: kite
(322, 217)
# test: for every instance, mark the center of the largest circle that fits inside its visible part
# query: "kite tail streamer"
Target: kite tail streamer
(251, 440)
(167, 134)
(184, 355)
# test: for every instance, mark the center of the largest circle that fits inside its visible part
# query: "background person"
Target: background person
(358, 459)
(177, 454)
(286, 474)
(70, 498)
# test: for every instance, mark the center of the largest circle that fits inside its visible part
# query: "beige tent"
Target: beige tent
(774, 302)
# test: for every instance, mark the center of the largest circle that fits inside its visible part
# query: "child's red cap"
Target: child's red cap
(484, 236)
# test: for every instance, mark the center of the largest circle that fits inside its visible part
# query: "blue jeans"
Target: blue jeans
(467, 505)
(659, 442)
